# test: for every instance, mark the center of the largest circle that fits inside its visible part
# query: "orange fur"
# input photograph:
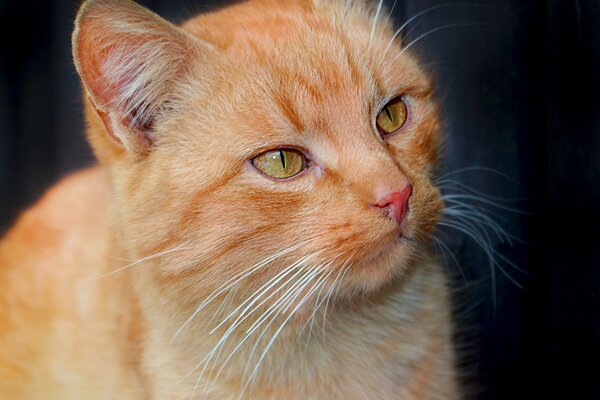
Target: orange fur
(174, 115)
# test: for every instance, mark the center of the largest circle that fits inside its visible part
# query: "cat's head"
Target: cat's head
(265, 141)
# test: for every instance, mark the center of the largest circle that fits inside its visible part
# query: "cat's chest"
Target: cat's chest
(391, 350)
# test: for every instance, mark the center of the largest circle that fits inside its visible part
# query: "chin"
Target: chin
(378, 271)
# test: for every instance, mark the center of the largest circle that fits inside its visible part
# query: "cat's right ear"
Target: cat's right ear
(129, 60)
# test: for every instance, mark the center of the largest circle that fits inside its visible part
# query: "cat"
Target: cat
(258, 227)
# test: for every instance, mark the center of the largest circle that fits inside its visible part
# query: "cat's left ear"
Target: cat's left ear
(130, 60)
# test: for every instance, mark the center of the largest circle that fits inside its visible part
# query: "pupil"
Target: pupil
(389, 114)
(282, 157)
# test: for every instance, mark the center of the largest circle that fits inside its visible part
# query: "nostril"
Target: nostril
(396, 203)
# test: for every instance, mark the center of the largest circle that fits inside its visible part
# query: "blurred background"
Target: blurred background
(518, 82)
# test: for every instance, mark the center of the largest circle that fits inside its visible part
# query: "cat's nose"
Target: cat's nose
(396, 204)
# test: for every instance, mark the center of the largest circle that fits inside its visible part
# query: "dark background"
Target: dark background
(519, 87)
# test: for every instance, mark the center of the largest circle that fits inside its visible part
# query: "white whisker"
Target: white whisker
(480, 219)
(475, 215)
(446, 250)
(318, 303)
(281, 306)
(482, 200)
(276, 309)
(374, 26)
(140, 261)
(217, 348)
(276, 334)
(232, 282)
(334, 288)
(453, 184)
(432, 31)
(413, 18)
(262, 290)
(308, 276)
(478, 169)
(226, 335)
(389, 14)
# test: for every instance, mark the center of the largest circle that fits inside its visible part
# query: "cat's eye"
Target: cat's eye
(392, 117)
(280, 163)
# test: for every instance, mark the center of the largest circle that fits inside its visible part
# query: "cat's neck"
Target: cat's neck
(349, 345)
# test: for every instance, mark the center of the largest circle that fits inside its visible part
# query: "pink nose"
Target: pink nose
(396, 204)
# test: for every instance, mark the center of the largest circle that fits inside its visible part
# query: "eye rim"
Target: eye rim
(400, 98)
(306, 161)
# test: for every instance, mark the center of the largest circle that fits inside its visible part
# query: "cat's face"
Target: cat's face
(264, 151)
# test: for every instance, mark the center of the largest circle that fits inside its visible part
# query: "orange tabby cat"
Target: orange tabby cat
(259, 224)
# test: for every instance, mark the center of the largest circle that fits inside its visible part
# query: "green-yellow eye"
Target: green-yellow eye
(392, 117)
(280, 163)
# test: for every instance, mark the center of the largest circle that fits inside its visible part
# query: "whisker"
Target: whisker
(209, 356)
(506, 260)
(232, 282)
(389, 14)
(482, 220)
(414, 17)
(491, 260)
(479, 169)
(278, 307)
(238, 321)
(248, 334)
(275, 310)
(325, 300)
(374, 26)
(453, 184)
(276, 334)
(318, 303)
(345, 268)
(273, 307)
(140, 261)
(244, 314)
(434, 30)
(485, 246)
(474, 214)
(255, 326)
(446, 250)
(489, 211)
(262, 290)
(482, 200)
(225, 305)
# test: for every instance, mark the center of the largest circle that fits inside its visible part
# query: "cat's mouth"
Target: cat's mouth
(397, 244)
(377, 267)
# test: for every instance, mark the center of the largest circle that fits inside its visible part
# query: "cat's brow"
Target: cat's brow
(287, 109)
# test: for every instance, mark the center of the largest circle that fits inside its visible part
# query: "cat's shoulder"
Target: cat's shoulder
(71, 211)
(59, 239)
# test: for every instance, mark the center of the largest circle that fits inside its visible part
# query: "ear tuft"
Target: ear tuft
(128, 59)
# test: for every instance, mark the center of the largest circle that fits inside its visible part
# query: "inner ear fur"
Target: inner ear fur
(129, 60)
